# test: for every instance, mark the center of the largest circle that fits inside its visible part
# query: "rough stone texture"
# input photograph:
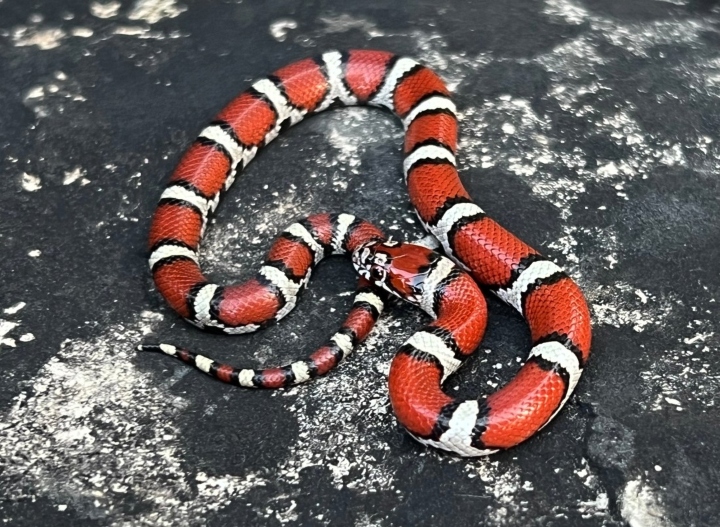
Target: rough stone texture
(589, 129)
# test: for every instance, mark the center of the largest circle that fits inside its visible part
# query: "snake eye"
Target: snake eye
(377, 273)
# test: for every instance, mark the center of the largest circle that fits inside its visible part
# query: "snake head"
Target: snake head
(399, 268)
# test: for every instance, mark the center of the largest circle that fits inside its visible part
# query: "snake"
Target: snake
(477, 253)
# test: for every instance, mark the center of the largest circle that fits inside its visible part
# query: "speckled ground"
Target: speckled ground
(589, 129)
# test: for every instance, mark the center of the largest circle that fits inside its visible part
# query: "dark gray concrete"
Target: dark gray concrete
(589, 129)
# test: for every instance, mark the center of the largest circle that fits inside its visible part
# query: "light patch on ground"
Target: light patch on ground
(14, 308)
(153, 11)
(343, 23)
(681, 372)
(528, 152)
(572, 245)
(8, 336)
(351, 136)
(230, 247)
(81, 32)
(566, 11)
(6, 327)
(60, 426)
(144, 32)
(41, 37)
(345, 419)
(640, 38)
(347, 147)
(105, 9)
(637, 38)
(433, 51)
(641, 506)
(684, 374)
(577, 87)
(50, 96)
(599, 505)
(279, 28)
(512, 494)
(619, 305)
(504, 484)
(76, 174)
(333, 24)
(30, 183)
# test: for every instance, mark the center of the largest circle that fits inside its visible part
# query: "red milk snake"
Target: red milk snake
(478, 251)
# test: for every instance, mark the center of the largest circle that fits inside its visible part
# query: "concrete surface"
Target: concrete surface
(589, 129)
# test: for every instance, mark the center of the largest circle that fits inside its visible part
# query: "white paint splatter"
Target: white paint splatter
(30, 183)
(14, 308)
(683, 373)
(42, 38)
(699, 337)
(51, 97)
(508, 128)
(280, 27)
(27, 337)
(620, 306)
(596, 507)
(504, 484)
(640, 38)
(81, 32)
(6, 327)
(566, 11)
(152, 11)
(144, 32)
(78, 173)
(641, 506)
(35, 253)
(105, 9)
(131, 31)
(345, 22)
(36, 92)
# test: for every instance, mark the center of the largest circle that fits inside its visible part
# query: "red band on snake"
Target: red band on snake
(480, 252)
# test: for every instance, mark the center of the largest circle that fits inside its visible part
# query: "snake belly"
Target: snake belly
(549, 300)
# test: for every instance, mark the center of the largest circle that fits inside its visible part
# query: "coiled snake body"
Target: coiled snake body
(477, 249)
